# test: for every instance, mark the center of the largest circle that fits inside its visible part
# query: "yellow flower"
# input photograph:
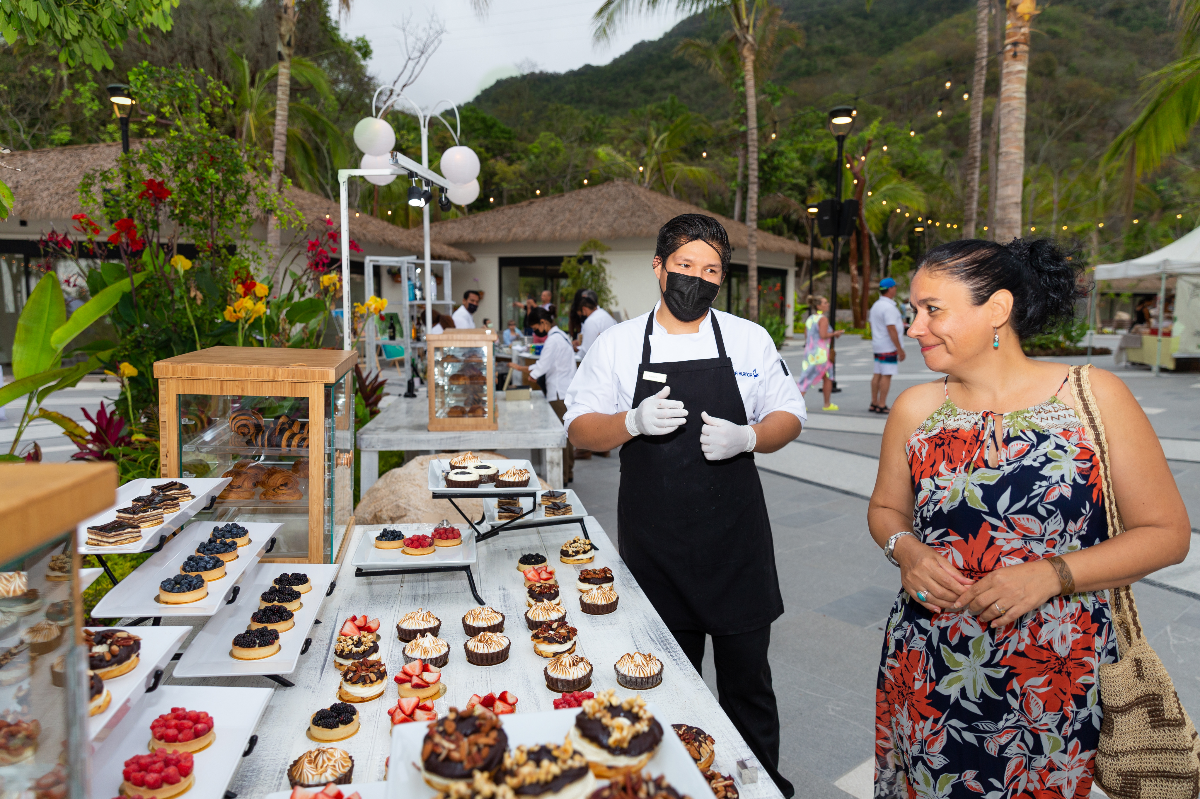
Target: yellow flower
(181, 263)
(359, 309)
(243, 304)
(127, 369)
(375, 305)
(261, 289)
(257, 310)
(231, 315)
(330, 281)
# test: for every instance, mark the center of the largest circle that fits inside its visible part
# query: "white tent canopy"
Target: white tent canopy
(1180, 257)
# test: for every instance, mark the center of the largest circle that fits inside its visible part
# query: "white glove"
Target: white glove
(656, 416)
(720, 440)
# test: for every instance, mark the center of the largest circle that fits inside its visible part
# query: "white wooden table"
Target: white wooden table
(403, 425)
(635, 626)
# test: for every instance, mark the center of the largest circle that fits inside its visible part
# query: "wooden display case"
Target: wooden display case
(280, 422)
(462, 380)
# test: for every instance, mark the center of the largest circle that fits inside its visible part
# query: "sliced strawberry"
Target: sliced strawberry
(425, 715)
(354, 796)
(508, 697)
(413, 668)
(531, 574)
(373, 626)
(402, 678)
(502, 707)
(300, 793)
(474, 700)
(426, 705)
(332, 791)
(488, 700)
(418, 683)
(408, 704)
(430, 677)
(432, 668)
(361, 621)
(400, 718)
(348, 629)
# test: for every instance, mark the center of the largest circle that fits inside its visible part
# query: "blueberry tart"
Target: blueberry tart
(232, 532)
(390, 538)
(209, 567)
(223, 548)
(182, 589)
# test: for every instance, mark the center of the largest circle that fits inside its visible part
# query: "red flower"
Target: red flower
(126, 233)
(246, 287)
(154, 191)
(85, 225)
(1060, 673)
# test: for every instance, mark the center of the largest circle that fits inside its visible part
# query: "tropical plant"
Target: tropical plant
(653, 148)
(983, 12)
(109, 431)
(582, 272)
(368, 391)
(1012, 110)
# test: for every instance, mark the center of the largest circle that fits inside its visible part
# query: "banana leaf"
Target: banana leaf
(73, 374)
(93, 310)
(44, 312)
(73, 429)
(19, 388)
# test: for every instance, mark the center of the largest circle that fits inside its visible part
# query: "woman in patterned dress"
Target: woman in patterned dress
(817, 336)
(987, 684)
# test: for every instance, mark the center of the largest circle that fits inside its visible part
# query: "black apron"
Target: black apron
(695, 532)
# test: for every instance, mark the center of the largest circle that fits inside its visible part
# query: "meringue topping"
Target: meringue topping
(568, 666)
(515, 475)
(425, 646)
(600, 595)
(321, 765)
(483, 617)
(545, 611)
(418, 619)
(41, 633)
(488, 642)
(464, 460)
(638, 664)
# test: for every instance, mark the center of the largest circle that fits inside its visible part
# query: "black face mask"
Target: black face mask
(472, 307)
(688, 297)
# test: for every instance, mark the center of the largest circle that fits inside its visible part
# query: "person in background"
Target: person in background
(441, 323)
(464, 316)
(817, 336)
(887, 323)
(511, 333)
(547, 299)
(595, 321)
(553, 371)
(575, 319)
(487, 323)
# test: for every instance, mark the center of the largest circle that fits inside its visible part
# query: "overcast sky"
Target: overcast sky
(515, 36)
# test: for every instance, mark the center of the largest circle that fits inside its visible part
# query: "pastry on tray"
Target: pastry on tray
(484, 619)
(335, 723)
(58, 672)
(23, 604)
(276, 617)
(568, 672)
(462, 478)
(456, 411)
(542, 592)
(158, 775)
(722, 786)
(429, 649)
(362, 681)
(598, 601)
(112, 653)
(485, 471)
(209, 567)
(487, 649)
(349, 648)
(8, 624)
(445, 536)
(557, 509)
(59, 568)
(419, 680)
(282, 487)
(508, 508)
(464, 460)
(539, 574)
(513, 478)
(390, 538)
(618, 736)
(18, 739)
(297, 580)
(321, 766)
(60, 612)
(233, 532)
(174, 489)
(639, 671)
(42, 637)
(548, 497)
(255, 644)
(543, 612)
(417, 622)
(530, 559)
(547, 770)
(577, 550)
(418, 545)
(590, 578)
(637, 785)
(113, 534)
(460, 744)
(148, 511)
(181, 589)
(99, 697)
(280, 595)
(553, 638)
(699, 744)
(223, 548)
(182, 730)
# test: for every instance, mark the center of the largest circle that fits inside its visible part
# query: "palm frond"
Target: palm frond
(1172, 109)
(612, 13)
(1187, 16)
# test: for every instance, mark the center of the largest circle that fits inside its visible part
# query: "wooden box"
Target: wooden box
(280, 423)
(462, 380)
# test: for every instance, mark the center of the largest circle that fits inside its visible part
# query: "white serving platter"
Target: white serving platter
(369, 557)
(137, 594)
(158, 645)
(203, 488)
(539, 513)
(549, 726)
(437, 481)
(235, 711)
(366, 790)
(87, 577)
(208, 654)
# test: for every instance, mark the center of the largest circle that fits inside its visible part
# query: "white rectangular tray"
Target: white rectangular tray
(158, 645)
(137, 594)
(202, 488)
(87, 577)
(437, 483)
(539, 513)
(368, 557)
(366, 790)
(208, 654)
(235, 712)
(549, 726)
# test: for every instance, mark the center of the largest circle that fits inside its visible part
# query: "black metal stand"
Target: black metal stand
(450, 496)
(553, 521)
(162, 541)
(361, 572)
(286, 683)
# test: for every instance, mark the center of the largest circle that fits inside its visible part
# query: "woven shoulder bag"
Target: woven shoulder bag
(1148, 746)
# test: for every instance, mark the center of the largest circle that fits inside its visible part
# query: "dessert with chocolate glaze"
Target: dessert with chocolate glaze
(429, 649)
(349, 648)
(547, 772)
(577, 550)
(557, 509)
(638, 785)
(99, 697)
(255, 644)
(175, 490)
(618, 736)
(553, 638)
(484, 471)
(590, 578)
(362, 681)
(113, 534)
(297, 580)
(699, 744)
(540, 613)
(462, 478)
(335, 723)
(568, 672)
(461, 743)
(548, 497)
(723, 786)
(280, 595)
(417, 622)
(484, 619)
(277, 617)
(542, 592)
(508, 508)
(112, 653)
(318, 767)
(487, 649)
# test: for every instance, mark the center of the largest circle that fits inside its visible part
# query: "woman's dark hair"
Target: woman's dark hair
(539, 314)
(686, 228)
(583, 298)
(1042, 277)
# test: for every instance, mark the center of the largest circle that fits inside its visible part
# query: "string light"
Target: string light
(491, 199)
(1032, 228)
(1179, 216)
(1134, 221)
(912, 132)
(538, 192)
(905, 213)
(966, 95)
(356, 216)
(1101, 224)
(1064, 227)
(641, 168)
(885, 148)
(939, 110)
(862, 158)
(389, 213)
(947, 84)
(585, 181)
(856, 183)
(985, 227)
(704, 154)
(326, 216)
(869, 194)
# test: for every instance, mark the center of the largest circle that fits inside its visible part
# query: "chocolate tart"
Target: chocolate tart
(417, 622)
(275, 617)
(182, 589)
(390, 538)
(486, 473)
(209, 567)
(577, 550)
(542, 592)
(223, 548)
(513, 478)
(297, 580)
(542, 612)
(231, 532)
(318, 767)
(548, 771)
(530, 559)
(349, 648)
(547, 497)
(335, 723)
(280, 595)
(112, 653)
(699, 744)
(482, 620)
(487, 649)
(636, 785)
(462, 478)
(429, 649)
(640, 671)
(460, 744)
(113, 534)
(568, 672)
(554, 638)
(616, 748)
(363, 681)
(590, 578)
(598, 601)
(99, 697)
(256, 644)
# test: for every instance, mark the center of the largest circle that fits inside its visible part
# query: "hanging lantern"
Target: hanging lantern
(377, 162)
(464, 194)
(374, 136)
(460, 165)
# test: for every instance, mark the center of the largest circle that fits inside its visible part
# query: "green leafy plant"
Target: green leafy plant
(584, 273)
(775, 327)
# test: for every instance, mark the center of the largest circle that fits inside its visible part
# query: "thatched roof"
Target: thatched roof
(615, 210)
(47, 188)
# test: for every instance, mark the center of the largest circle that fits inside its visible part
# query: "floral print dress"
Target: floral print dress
(816, 354)
(966, 711)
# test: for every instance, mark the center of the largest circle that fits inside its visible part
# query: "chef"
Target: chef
(595, 321)
(689, 394)
(553, 371)
(464, 316)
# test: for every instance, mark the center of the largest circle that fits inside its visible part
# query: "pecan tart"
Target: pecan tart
(553, 638)
(699, 744)
(349, 648)
(362, 681)
(577, 550)
(112, 653)
(461, 743)
(547, 772)
(590, 578)
(618, 736)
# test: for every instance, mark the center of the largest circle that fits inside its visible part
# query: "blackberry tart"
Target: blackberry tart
(99, 697)
(276, 617)
(590, 578)
(297, 580)
(529, 560)
(350, 648)
(547, 772)
(541, 592)
(363, 680)
(417, 622)
(699, 744)
(280, 595)
(567, 673)
(208, 567)
(577, 550)
(543, 612)
(390, 538)
(335, 723)
(554, 638)
(460, 744)
(487, 649)
(316, 768)
(482, 620)
(232, 532)
(598, 601)
(112, 653)
(618, 736)
(182, 589)
(256, 644)
(640, 671)
(223, 548)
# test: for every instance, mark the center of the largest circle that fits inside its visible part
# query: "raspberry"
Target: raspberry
(127, 773)
(171, 775)
(169, 736)
(185, 768)
(155, 768)
(201, 729)
(153, 781)
(186, 735)
(139, 779)
(193, 715)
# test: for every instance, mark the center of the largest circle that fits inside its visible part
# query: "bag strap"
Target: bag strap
(1125, 615)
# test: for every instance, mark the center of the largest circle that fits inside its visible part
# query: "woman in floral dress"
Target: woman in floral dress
(817, 336)
(988, 499)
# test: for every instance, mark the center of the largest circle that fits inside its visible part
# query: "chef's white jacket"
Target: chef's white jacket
(463, 319)
(608, 375)
(596, 323)
(557, 363)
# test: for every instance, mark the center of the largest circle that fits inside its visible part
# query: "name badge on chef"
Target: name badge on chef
(657, 377)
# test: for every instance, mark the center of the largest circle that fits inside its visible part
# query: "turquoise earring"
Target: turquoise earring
(995, 338)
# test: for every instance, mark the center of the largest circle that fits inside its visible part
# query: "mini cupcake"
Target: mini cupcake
(513, 478)
(487, 649)
(363, 681)
(482, 620)
(598, 601)
(553, 638)
(577, 550)
(590, 578)
(277, 595)
(418, 622)
(427, 648)
(317, 768)
(462, 478)
(542, 612)
(277, 617)
(542, 592)
(529, 560)
(485, 472)
(699, 744)
(639, 671)
(335, 723)
(297, 580)
(568, 672)
(390, 538)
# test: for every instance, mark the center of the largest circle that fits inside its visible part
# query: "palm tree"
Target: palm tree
(1011, 166)
(746, 16)
(983, 10)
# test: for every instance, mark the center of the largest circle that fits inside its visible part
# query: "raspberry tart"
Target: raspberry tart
(389, 538)
(417, 622)
(540, 613)
(553, 638)
(618, 736)
(256, 644)
(335, 723)
(429, 649)
(297, 580)
(182, 589)
(461, 744)
(182, 730)
(363, 681)
(699, 744)
(158, 775)
(573, 699)
(321, 766)
(568, 672)
(418, 545)
(447, 536)
(276, 617)
(640, 671)
(277, 595)
(487, 649)
(420, 681)
(598, 601)
(482, 620)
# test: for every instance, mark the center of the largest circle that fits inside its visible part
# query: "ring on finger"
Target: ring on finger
(999, 609)
(922, 596)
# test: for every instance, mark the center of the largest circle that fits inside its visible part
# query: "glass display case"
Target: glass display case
(462, 380)
(279, 423)
(46, 691)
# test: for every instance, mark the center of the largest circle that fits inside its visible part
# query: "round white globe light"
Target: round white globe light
(374, 136)
(465, 194)
(460, 165)
(377, 162)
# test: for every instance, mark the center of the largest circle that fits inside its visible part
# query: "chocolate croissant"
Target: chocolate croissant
(246, 423)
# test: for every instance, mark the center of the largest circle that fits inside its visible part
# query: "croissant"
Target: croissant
(246, 423)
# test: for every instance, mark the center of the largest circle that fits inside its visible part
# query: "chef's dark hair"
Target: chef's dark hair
(588, 299)
(693, 227)
(1042, 277)
(538, 314)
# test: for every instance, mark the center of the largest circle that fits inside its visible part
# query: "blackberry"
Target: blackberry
(271, 614)
(279, 594)
(289, 580)
(258, 637)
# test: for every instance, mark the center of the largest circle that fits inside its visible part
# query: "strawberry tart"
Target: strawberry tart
(501, 704)
(330, 791)
(420, 681)
(182, 730)
(159, 775)
(411, 708)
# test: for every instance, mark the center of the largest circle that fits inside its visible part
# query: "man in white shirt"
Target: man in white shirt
(464, 316)
(547, 299)
(595, 321)
(887, 325)
(689, 394)
(557, 365)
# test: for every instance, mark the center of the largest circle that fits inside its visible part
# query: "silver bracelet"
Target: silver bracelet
(891, 545)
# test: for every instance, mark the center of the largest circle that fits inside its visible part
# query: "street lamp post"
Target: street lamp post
(118, 95)
(841, 120)
(812, 218)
